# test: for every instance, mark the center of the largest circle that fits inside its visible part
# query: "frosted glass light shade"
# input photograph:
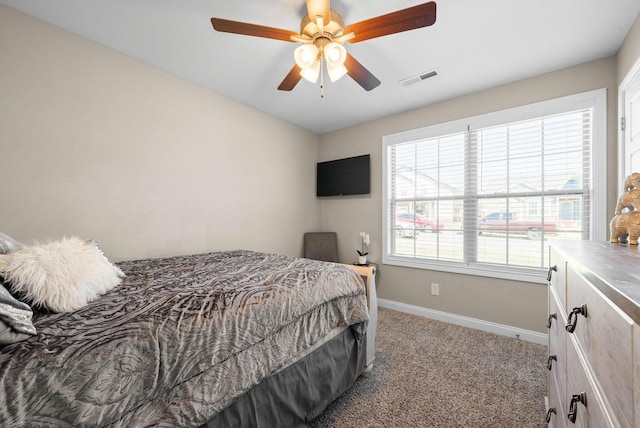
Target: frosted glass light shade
(335, 54)
(311, 72)
(305, 55)
(336, 72)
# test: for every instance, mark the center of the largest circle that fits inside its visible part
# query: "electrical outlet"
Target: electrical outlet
(435, 289)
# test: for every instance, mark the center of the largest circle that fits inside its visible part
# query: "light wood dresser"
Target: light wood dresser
(594, 335)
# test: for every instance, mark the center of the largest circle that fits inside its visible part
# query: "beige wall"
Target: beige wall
(521, 305)
(97, 144)
(629, 53)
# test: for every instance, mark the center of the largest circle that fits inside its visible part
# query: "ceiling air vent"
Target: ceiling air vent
(418, 78)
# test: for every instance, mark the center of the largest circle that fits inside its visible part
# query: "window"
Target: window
(484, 195)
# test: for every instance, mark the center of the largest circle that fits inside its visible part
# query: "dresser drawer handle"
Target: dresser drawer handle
(582, 310)
(550, 361)
(549, 412)
(573, 405)
(549, 272)
(551, 318)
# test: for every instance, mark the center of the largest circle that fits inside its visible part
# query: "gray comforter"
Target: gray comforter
(175, 342)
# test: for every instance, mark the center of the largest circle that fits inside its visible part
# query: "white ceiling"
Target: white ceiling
(473, 45)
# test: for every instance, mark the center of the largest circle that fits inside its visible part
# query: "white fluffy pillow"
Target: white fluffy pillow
(62, 276)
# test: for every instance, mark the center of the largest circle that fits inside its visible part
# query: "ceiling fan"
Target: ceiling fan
(323, 33)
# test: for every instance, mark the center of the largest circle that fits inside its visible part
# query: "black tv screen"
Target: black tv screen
(349, 176)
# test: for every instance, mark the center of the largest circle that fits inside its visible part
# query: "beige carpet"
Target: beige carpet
(432, 374)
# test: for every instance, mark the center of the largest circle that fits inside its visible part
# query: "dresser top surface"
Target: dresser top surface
(613, 268)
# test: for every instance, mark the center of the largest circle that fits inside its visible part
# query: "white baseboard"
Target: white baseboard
(501, 329)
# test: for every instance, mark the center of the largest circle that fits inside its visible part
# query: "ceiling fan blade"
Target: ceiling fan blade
(291, 80)
(361, 75)
(411, 18)
(236, 27)
(319, 7)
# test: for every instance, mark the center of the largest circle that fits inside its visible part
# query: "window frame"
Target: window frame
(595, 99)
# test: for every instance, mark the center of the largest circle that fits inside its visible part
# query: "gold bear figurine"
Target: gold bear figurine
(629, 200)
(632, 182)
(626, 223)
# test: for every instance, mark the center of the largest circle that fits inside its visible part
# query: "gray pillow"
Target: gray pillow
(8, 244)
(15, 319)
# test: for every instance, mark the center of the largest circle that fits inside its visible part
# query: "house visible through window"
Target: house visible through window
(484, 195)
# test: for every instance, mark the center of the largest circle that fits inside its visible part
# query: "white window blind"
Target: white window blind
(484, 195)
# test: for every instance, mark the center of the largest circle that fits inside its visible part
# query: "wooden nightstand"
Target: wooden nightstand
(368, 274)
(373, 265)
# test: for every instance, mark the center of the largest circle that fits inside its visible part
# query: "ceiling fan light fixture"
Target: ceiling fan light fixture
(335, 54)
(336, 71)
(306, 55)
(311, 72)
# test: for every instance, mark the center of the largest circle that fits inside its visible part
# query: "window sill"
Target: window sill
(520, 273)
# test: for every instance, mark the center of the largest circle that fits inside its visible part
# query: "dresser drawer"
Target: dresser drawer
(558, 275)
(557, 323)
(605, 336)
(556, 418)
(588, 413)
(636, 374)
(558, 385)
(557, 342)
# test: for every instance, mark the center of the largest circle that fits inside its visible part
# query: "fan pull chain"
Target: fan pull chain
(321, 78)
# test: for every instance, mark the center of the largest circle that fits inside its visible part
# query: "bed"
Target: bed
(222, 339)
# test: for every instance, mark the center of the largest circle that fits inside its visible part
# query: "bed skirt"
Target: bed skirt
(296, 395)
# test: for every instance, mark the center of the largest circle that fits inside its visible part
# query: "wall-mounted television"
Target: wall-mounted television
(349, 176)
